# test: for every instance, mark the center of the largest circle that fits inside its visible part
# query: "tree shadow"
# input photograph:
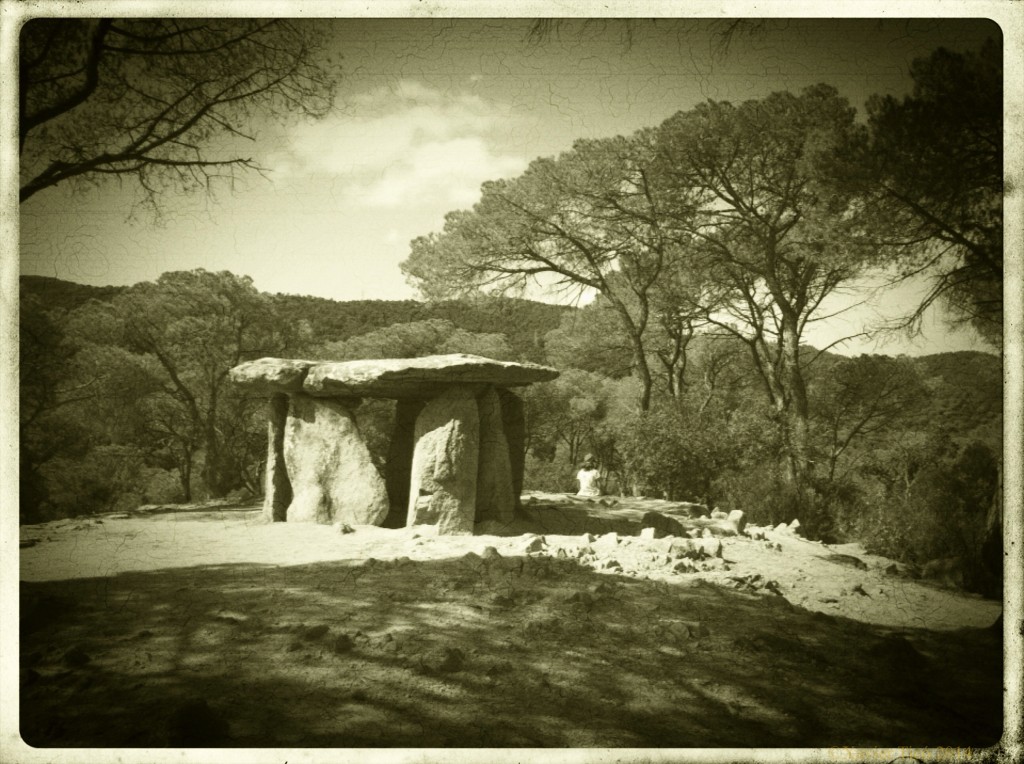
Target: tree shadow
(470, 651)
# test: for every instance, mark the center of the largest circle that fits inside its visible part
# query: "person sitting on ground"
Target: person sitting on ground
(589, 477)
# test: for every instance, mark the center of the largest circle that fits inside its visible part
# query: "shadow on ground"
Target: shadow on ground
(498, 652)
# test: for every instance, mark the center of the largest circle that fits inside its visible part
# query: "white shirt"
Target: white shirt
(588, 482)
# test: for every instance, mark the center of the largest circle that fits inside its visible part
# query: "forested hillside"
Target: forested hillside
(124, 400)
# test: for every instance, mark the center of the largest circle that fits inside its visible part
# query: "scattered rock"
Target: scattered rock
(710, 547)
(611, 565)
(533, 544)
(737, 520)
(648, 533)
(684, 566)
(661, 525)
(608, 540)
(490, 553)
(345, 528)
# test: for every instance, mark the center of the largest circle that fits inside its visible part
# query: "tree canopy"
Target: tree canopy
(167, 101)
(933, 180)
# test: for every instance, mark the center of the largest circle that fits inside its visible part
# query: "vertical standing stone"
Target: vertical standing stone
(442, 489)
(278, 488)
(332, 474)
(513, 422)
(495, 498)
(399, 465)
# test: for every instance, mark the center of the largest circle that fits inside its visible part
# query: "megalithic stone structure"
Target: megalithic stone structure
(456, 456)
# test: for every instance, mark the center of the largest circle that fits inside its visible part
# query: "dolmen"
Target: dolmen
(457, 450)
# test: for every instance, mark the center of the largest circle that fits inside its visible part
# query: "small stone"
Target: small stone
(608, 539)
(533, 544)
(706, 533)
(648, 534)
(345, 528)
(737, 520)
(611, 565)
(711, 547)
(794, 525)
(490, 553)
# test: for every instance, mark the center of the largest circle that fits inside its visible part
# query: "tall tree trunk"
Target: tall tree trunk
(795, 411)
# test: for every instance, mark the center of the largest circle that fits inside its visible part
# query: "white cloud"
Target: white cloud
(399, 144)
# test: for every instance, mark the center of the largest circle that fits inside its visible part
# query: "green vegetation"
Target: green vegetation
(709, 243)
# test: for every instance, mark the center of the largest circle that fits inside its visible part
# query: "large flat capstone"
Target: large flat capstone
(422, 378)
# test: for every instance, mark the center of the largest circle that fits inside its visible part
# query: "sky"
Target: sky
(431, 108)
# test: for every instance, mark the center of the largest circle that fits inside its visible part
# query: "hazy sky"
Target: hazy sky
(431, 108)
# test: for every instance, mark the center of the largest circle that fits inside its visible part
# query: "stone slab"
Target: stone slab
(417, 378)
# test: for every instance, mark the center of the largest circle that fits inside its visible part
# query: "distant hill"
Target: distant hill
(66, 295)
(966, 387)
(966, 394)
(524, 322)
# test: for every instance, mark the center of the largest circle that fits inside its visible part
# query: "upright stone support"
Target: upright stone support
(453, 460)
(399, 465)
(445, 463)
(513, 422)
(278, 488)
(495, 496)
(332, 474)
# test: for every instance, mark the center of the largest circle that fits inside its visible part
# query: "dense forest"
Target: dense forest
(708, 244)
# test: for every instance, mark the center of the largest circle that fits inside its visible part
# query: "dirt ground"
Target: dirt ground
(178, 626)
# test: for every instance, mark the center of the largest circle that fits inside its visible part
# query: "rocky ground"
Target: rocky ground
(570, 628)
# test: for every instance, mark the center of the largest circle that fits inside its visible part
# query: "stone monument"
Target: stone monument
(456, 456)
